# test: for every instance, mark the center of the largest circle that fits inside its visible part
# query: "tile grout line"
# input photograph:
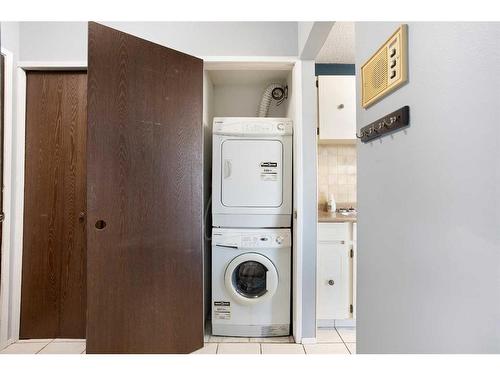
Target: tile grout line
(336, 330)
(347, 342)
(45, 346)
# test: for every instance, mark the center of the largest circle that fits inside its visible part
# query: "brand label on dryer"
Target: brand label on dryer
(269, 171)
(222, 310)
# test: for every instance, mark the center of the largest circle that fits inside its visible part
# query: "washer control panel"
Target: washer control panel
(252, 239)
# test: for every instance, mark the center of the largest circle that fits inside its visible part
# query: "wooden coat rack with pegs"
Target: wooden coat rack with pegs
(385, 125)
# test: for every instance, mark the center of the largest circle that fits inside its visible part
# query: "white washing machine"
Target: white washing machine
(252, 172)
(251, 282)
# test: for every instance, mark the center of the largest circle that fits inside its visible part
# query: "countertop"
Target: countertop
(332, 217)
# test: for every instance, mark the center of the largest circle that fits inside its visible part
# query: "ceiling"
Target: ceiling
(339, 45)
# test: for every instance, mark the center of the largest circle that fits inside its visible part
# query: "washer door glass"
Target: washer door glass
(249, 279)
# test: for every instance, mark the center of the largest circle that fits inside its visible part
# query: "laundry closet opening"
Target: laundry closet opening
(248, 199)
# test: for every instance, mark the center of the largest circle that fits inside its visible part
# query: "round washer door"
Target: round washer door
(251, 278)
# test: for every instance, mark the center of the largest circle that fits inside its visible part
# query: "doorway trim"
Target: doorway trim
(298, 204)
(18, 141)
(7, 171)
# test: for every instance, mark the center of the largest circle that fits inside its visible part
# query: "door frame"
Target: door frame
(298, 204)
(7, 170)
(19, 142)
(210, 63)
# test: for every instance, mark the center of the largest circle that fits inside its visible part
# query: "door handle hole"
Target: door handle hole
(100, 224)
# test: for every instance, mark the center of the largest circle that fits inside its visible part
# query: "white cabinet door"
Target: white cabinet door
(334, 280)
(354, 266)
(337, 108)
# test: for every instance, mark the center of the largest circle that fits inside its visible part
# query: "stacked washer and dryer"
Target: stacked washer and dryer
(251, 218)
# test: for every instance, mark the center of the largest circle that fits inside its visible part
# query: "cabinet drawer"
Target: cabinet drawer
(333, 232)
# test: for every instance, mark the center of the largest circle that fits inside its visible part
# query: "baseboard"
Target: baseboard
(308, 340)
(325, 323)
(332, 323)
(345, 323)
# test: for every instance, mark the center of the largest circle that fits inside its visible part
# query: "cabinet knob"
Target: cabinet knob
(331, 282)
(340, 106)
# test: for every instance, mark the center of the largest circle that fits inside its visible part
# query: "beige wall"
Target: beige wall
(337, 174)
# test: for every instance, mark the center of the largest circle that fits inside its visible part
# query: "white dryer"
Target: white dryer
(252, 172)
(251, 282)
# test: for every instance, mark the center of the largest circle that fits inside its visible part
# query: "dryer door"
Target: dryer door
(251, 278)
(252, 173)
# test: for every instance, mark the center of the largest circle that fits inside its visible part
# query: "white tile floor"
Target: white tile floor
(329, 341)
(335, 348)
(348, 334)
(282, 349)
(57, 346)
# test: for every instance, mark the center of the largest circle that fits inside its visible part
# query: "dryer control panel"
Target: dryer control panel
(250, 238)
(252, 126)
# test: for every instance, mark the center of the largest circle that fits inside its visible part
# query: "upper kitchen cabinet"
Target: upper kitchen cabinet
(337, 108)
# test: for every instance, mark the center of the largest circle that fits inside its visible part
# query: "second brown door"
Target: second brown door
(53, 295)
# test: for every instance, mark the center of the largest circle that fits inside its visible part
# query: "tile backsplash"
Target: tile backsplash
(337, 174)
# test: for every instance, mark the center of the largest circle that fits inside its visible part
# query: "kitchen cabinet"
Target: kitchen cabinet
(337, 108)
(354, 266)
(334, 271)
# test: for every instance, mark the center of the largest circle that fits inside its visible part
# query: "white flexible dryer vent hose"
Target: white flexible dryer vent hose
(267, 96)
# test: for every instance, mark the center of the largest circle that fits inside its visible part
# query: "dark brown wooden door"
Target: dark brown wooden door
(53, 293)
(145, 288)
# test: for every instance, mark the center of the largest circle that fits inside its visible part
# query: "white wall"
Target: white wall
(67, 41)
(303, 31)
(311, 38)
(244, 100)
(428, 197)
